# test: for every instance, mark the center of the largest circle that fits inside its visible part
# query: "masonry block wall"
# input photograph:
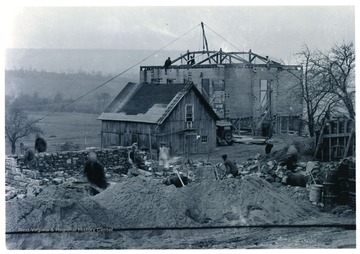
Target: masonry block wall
(242, 86)
(55, 168)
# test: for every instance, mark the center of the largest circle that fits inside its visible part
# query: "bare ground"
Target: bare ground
(142, 213)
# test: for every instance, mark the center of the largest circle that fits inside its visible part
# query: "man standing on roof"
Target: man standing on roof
(191, 61)
(230, 167)
(167, 64)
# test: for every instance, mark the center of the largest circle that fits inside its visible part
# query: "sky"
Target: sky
(277, 31)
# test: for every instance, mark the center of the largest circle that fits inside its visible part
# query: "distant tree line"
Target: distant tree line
(64, 89)
(95, 105)
(36, 90)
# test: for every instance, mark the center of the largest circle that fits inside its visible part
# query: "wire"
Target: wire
(222, 37)
(111, 79)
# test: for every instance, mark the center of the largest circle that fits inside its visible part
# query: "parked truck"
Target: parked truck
(224, 133)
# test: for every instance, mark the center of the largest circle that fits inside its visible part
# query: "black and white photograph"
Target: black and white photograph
(179, 127)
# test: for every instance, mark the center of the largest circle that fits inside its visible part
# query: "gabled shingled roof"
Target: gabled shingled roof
(148, 103)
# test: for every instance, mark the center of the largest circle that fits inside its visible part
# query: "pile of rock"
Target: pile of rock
(24, 187)
(274, 172)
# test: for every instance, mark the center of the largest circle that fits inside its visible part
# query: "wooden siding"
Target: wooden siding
(172, 131)
(115, 133)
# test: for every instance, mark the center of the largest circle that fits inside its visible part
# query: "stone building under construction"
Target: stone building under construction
(249, 90)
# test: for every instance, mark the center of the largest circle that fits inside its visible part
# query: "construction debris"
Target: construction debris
(248, 139)
(152, 197)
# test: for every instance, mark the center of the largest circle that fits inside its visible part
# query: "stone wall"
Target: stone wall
(55, 168)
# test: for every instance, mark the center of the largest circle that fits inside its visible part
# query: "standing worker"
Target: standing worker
(164, 156)
(40, 144)
(230, 167)
(29, 158)
(268, 147)
(167, 64)
(95, 174)
(191, 61)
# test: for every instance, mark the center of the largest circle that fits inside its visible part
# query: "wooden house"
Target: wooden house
(176, 114)
(242, 87)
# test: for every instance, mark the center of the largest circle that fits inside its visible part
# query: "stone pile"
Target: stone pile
(56, 168)
(137, 203)
(273, 172)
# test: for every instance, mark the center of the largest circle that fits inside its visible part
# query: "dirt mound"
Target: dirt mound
(250, 200)
(146, 202)
(136, 202)
(39, 214)
(67, 190)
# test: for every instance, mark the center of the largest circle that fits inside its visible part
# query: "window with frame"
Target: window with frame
(188, 125)
(220, 86)
(263, 92)
(189, 116)
(204, 139)
(189, 113)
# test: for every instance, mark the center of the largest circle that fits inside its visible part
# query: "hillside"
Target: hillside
(106, 61)
(51, 71)
(47, 84)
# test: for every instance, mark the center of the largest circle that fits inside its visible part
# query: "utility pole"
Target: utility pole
(205, 43)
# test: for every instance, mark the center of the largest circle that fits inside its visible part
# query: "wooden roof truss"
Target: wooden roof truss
(222, 57)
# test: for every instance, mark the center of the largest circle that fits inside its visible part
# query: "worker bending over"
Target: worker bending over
(230, 167)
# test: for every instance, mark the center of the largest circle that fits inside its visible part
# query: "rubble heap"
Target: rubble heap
(149, 203)
(208, 201)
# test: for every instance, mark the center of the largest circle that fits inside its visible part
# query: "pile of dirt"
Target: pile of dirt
(246, 201)
(40, 214)
(67, 190)
(139, 202)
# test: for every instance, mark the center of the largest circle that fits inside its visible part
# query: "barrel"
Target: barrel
(352, 171)
(315, 193)
(352, 185)
(352, 199)
(343, 190)
(330, 196)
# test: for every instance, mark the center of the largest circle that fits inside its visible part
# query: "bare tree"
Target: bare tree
(327, 82)
(337, 68)
(18, 125)
(313, 91)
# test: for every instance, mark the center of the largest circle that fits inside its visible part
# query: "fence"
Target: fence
(336, 140)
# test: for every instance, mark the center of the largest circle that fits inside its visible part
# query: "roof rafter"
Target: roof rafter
(219, 57)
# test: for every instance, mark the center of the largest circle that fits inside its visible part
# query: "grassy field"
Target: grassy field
(61, 127)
